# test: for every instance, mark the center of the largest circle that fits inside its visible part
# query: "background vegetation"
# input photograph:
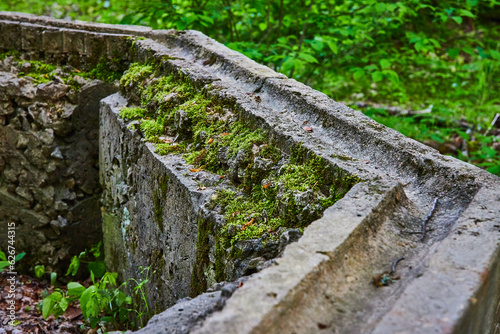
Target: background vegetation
(430, 69)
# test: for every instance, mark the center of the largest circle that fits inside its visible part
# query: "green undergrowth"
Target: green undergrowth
(270, 190)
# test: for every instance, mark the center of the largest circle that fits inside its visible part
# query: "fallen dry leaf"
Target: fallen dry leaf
(240, 285)
(224, 134)
(210, 141)
(308, 129)
(266, 185)
(248, 224)
(194, 170)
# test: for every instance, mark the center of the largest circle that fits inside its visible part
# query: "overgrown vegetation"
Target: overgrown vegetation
(42, 72)
(270, 191)
(408, 53)
(103, 303)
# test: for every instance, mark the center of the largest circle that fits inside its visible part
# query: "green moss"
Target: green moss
(198, 278)
(168, 148)
(163, 183)
(292, 196)
(271, 204)
(152, 130)
(11, 53)
(40, 72)
(102, 71)
(133, 113)
(135, 74)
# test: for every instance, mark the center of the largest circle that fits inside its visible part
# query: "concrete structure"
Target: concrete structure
(449, 279)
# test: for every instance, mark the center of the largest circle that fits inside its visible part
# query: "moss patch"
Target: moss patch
(270, 190)
(133, 113)
(43, 72)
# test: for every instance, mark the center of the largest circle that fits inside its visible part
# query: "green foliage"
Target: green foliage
(7, 261)
(104, 300)
(39, 271)
(102, 71)
(94, 259)
(411, 53)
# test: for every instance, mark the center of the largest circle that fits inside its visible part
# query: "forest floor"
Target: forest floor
(28, 319)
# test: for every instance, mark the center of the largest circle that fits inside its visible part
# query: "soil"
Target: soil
(28, 319)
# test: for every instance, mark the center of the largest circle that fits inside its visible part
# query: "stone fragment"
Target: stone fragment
(51, 91)
(57, 154)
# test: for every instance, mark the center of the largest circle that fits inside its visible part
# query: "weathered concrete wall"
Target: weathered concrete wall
(49, 183)
(151, 210)
(323, 283)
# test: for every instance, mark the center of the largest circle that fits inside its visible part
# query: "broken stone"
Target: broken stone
(51, 91)
(22, 142)
(57, 154)
(181, 121)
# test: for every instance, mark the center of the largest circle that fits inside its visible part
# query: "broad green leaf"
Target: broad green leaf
(495, 169)
(384, 63)
(47, 307)
(2, 256)
(437, 137)
(308, 58)
(120, 298)
(453, 53)
(56, 296)
(262, 26)
(85, 300)
(333, 46)
(288, 64)
(4, 264)
(464, 12)
(106, 319)
(63, 304)
(19, 256)
(93, 322)
(39, 271)
(371, 67)
(298, 64)
(377, 76)
(495, 54)
(75, 289)
(73, 266)
(457, 19)
(358, 74)
(98, 268)
(53, 279)
(392, 75)
(317, 44)
(380, 7)
(488, 151)
(464, 135)
(472, 3)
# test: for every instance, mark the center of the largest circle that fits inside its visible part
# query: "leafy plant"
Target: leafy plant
(94, 259)
(4, 262)
(104, 301)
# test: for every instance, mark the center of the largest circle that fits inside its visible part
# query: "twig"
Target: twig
(426, 220)
(394, 264)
